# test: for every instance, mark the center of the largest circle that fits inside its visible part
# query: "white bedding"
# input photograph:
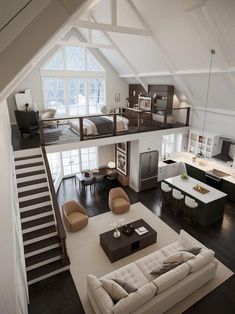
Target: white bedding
(89, 128)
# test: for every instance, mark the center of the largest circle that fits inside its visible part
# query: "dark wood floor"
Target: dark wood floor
(60, 290)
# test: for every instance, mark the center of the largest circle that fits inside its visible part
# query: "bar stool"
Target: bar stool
(189, 211)
(177, 196)
(165, 194)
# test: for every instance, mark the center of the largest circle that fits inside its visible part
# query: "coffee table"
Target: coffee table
(125, 245)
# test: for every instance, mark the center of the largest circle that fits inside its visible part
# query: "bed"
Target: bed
(99, 125)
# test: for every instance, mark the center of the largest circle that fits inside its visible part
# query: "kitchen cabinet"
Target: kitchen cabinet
(207, 143)
(162, 173)
(195, 173)
(228, 188)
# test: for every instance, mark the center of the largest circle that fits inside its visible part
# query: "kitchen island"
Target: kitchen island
(210, 205)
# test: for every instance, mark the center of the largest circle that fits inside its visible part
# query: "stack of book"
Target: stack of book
(141, 230)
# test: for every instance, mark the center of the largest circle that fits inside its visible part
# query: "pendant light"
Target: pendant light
(212, 52)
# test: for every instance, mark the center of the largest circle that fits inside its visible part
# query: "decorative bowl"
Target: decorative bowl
(127, 229)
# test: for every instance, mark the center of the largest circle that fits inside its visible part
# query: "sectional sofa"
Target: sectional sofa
(155, 294)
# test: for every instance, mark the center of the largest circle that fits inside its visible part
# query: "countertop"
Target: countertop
(187, 186)
(208, 164)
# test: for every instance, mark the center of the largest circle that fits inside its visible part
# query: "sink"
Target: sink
(169, 161)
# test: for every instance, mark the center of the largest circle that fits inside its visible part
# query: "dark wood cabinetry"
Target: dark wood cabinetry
(162, 96)
(228, 188)
(195, 173)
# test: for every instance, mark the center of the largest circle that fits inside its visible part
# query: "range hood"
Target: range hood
(224, 154)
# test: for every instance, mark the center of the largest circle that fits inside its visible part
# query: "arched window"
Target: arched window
(73, 82)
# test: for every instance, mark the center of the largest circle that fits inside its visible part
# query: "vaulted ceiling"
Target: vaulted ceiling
(175, 48)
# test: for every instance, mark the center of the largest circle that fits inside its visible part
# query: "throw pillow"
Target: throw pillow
(179, 257)
(193, 250)
(115, 291)
(47, 115)
(125, 285)
(162, 269)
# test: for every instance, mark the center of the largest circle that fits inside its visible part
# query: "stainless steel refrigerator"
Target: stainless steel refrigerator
(148, 170)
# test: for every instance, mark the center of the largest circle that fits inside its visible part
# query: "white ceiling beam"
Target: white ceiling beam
(114, 12)
(180, 73)
(140, 80)
(159, 47)
(111, 28)
(84, 44)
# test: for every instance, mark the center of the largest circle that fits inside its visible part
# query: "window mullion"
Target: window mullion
(87, 96)
(80, 158)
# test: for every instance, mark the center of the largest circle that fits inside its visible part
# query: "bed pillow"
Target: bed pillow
(115, 291)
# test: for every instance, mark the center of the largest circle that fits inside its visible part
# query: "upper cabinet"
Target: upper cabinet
(207, 143)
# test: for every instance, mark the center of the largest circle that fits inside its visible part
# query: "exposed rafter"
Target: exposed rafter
(110, 28)
(158, 45)
(84, 44)
(140, 80)
(114, 12)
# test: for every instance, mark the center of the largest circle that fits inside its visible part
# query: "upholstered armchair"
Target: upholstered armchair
(75, 216)
(48, 114)
(27, 121)
(119, 202)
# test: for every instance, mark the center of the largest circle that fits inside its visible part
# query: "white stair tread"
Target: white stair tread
(38, 205)
(30, 169)
(33, 196)
(32, 187)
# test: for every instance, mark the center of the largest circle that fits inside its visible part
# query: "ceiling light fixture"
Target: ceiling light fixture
(212, 52)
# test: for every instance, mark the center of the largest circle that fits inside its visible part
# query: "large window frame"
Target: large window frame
(65, 75)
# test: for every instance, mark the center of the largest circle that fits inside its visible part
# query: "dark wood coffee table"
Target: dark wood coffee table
(125, 245)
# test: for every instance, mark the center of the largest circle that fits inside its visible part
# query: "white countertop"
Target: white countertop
(208, 164)
(187, 187)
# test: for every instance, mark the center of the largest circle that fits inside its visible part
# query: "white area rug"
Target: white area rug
(87, 256)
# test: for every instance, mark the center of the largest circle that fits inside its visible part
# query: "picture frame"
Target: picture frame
(121, 162)
(122, 146)
(145, 103)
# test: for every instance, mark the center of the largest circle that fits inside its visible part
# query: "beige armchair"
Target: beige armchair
(75, 216)
(119, 202)
(48, 114)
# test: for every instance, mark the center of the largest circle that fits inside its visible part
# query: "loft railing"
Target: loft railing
(139, 116)
(60, 227)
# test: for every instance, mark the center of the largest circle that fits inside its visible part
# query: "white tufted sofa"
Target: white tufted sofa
(155, 295)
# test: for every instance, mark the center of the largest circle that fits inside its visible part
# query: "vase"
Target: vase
(116, 233)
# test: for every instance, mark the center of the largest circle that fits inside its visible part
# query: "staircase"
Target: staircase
(44, 244)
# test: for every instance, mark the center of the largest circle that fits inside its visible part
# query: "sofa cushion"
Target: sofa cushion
(172, 248)
(125, 285)
(147, 263)
(135, 299)
(178, 257)
(102, 298)
(130, 274)
(200, 260)
(170, 278)
(115, 291)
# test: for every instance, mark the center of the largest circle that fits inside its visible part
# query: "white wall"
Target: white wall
(216, 122)
(105, 154)
(8, 267)
(33, 81)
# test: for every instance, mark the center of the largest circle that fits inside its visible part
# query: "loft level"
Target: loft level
(128, 125)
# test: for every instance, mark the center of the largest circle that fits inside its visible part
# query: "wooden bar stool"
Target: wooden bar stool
(190, 209)
(165, 194)
(178, 197)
